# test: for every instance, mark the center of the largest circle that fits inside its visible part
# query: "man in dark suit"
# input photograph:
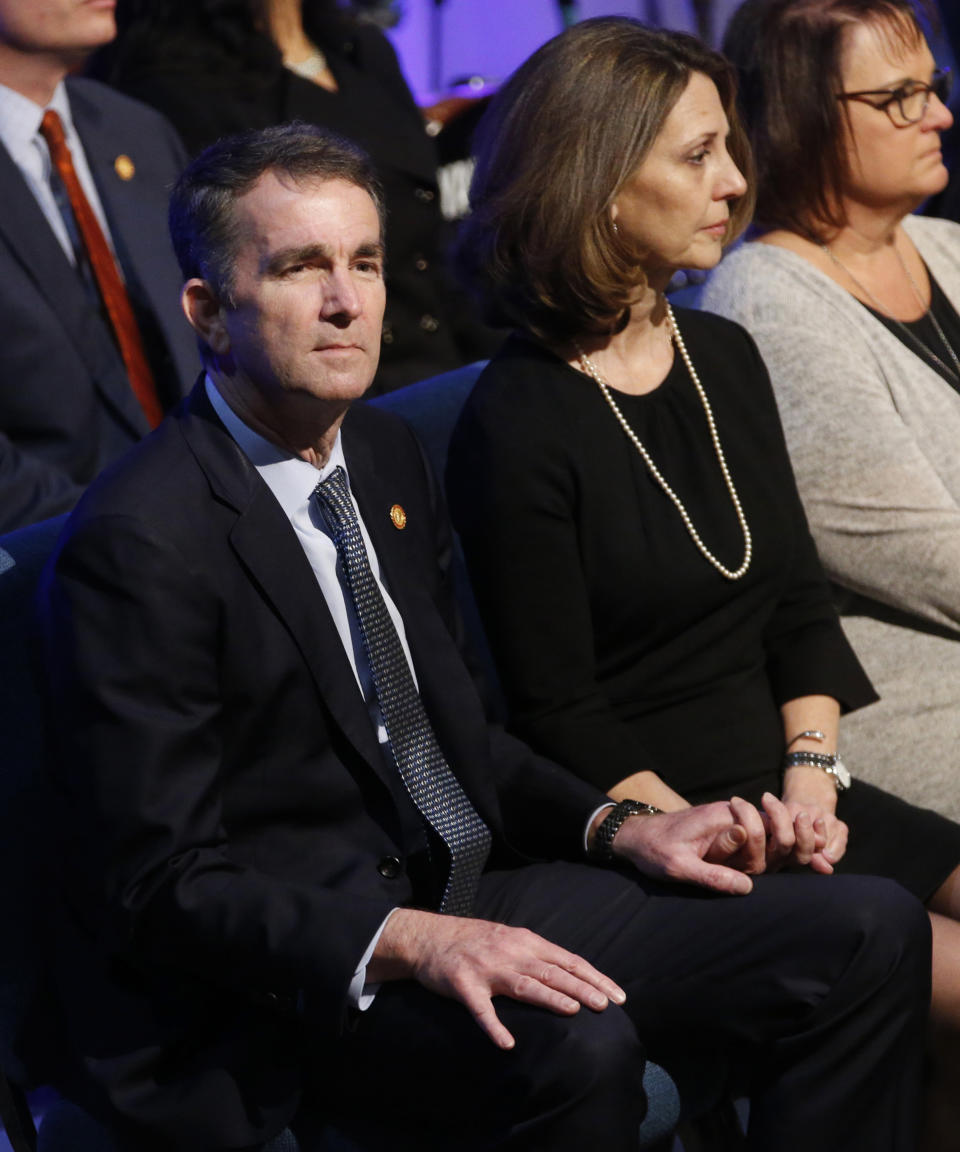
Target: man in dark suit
(66, 403)
(303, 879)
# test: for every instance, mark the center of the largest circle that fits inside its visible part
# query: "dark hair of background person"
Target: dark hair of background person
(191, 29)
(202, 202)
(789, 59)
(561, 138)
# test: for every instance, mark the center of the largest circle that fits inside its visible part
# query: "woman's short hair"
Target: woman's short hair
(789, 56)
(559, 141)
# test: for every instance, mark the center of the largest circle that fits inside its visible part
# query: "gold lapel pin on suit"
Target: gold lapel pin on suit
(124, 167)
(398, 516)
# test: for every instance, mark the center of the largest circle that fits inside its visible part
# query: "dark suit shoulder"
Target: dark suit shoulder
(388, 436)
(525, 395)
(373, 420)
(164, 482)
(91, 97)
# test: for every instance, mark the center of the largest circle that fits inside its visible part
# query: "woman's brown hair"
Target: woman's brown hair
(561, 138)
(789, 56)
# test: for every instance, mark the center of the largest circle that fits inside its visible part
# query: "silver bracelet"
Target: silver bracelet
(810, 734)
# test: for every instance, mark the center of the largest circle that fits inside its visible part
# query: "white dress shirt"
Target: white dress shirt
(20, 134)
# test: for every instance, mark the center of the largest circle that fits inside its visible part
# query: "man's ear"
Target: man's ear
(202, 308)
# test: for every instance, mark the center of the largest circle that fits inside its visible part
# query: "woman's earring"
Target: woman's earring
(616, 227)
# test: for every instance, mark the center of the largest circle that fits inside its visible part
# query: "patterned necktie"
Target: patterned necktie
(112, 290)
(424, 771)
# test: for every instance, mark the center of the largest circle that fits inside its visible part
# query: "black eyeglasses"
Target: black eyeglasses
(908, 103)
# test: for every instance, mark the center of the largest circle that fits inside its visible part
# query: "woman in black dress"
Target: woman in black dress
(621, 486)
(215, 67)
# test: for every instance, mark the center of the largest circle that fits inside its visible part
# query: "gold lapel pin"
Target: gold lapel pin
(124, 167)
(398, 516)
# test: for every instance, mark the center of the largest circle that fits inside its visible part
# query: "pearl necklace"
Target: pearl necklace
(909, 333)
(591, 370)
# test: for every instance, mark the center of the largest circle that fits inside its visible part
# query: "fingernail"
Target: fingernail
(619, 996)
(598, 1001)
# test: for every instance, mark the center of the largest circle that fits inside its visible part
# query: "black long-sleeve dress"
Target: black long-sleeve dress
(619, 646)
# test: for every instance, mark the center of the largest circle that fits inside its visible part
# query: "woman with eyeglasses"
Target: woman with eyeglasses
(854, 304)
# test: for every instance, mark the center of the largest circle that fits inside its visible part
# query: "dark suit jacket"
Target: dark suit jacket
(66, 407)
(232, 835)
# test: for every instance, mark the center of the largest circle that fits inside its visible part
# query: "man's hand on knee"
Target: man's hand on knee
(713, 845)
(474, 960)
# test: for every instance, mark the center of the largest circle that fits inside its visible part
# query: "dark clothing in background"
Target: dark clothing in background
(430, 325)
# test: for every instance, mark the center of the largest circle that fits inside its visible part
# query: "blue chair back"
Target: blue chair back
(26, 1023)
(431, 407)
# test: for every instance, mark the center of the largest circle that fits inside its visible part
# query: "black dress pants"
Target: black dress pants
(812, 990)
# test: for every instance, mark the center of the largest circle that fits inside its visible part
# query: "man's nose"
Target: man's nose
(340, 296)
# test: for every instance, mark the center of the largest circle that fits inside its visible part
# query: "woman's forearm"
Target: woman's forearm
(648, 788)
(804, 783)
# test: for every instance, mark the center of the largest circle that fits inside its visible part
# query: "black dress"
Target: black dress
(619, 646)
(430, 325)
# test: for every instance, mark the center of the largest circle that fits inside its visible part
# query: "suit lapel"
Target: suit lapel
(34, 246)
(267, 547)
(375, 495)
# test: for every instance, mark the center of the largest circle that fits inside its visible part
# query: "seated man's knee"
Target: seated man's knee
(592, 1053)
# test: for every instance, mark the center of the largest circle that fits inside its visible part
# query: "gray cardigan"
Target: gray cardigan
(874, 435)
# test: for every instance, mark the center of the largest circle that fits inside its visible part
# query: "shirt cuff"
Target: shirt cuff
(360, 994)
(586, 832)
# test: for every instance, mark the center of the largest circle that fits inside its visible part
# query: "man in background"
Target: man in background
(93, 348)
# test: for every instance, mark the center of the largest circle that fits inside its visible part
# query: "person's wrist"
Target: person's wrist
(605, 831)
(808, 784)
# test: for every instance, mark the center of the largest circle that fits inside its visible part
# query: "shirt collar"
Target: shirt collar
(291, 479)
(20, 118)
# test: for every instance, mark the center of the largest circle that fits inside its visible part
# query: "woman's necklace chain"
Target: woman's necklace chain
(591, 370)
(910, 334)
